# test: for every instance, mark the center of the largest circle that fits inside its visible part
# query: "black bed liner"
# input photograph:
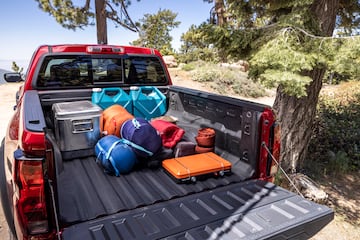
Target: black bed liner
(249, 210)
(148, 204)
(85, 192)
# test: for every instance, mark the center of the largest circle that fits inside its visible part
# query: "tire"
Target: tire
(4, 195)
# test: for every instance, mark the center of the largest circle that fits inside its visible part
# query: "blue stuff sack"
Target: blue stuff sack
(143, 137)
(114, 155)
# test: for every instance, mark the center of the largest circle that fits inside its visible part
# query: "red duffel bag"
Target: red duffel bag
(170, 133)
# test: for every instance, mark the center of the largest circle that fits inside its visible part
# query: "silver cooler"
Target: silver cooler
(77, 128)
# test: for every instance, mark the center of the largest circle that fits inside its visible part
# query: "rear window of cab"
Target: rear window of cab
(92, 70)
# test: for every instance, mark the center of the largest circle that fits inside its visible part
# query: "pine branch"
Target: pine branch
(317, 37)
(114, 16)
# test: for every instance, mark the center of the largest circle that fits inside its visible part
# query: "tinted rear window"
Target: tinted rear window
(86, 70)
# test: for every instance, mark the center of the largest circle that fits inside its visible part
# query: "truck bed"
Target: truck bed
(247, 210)
(148, 204)
(85, 192)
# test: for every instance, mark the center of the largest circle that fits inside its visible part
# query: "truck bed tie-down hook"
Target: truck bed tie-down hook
(263, 144)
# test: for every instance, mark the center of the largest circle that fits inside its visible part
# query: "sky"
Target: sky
(24, 27)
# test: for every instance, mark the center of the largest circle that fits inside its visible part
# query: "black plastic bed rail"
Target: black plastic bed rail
(248, 210)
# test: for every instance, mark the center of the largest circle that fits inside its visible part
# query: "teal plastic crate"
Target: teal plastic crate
(106, 97)
(148, 102)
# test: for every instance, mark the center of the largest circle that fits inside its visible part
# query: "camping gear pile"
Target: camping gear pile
(148, 141)
(145, 136)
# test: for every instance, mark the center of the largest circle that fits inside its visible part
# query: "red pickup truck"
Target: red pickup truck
(47, 195)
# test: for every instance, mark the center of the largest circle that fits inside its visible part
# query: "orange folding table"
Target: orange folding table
(188, 168)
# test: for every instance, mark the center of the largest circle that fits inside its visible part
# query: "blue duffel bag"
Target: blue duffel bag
(144, 138)
(115, 155)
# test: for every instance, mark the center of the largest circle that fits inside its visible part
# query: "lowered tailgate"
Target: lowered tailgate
(248, 210)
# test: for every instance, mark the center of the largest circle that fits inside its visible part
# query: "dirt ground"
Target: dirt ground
(7, 96)
(344, 194)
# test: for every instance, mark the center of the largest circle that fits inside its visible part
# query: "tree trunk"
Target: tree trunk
(101, 27)
(221, 21)
(296, 115)
(220, 12)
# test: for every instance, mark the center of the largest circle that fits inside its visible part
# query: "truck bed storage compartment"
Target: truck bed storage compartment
(77, 128)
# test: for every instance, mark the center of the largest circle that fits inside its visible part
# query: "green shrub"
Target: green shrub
(248, 88)
(225, 80)
(206, 74)
(336, 138)
(204, 54)
(188, 66)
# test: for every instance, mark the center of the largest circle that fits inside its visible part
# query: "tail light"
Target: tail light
(31, 203)
(275, 147)
(269, 146)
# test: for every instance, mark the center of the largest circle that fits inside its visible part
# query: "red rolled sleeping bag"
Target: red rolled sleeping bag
(170, 133)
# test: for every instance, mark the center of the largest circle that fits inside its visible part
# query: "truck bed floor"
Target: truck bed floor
(248, 210)
(85, 192)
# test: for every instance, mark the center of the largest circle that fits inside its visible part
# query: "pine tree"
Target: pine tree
(73, 17)
(154, 31)
(290, 46)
